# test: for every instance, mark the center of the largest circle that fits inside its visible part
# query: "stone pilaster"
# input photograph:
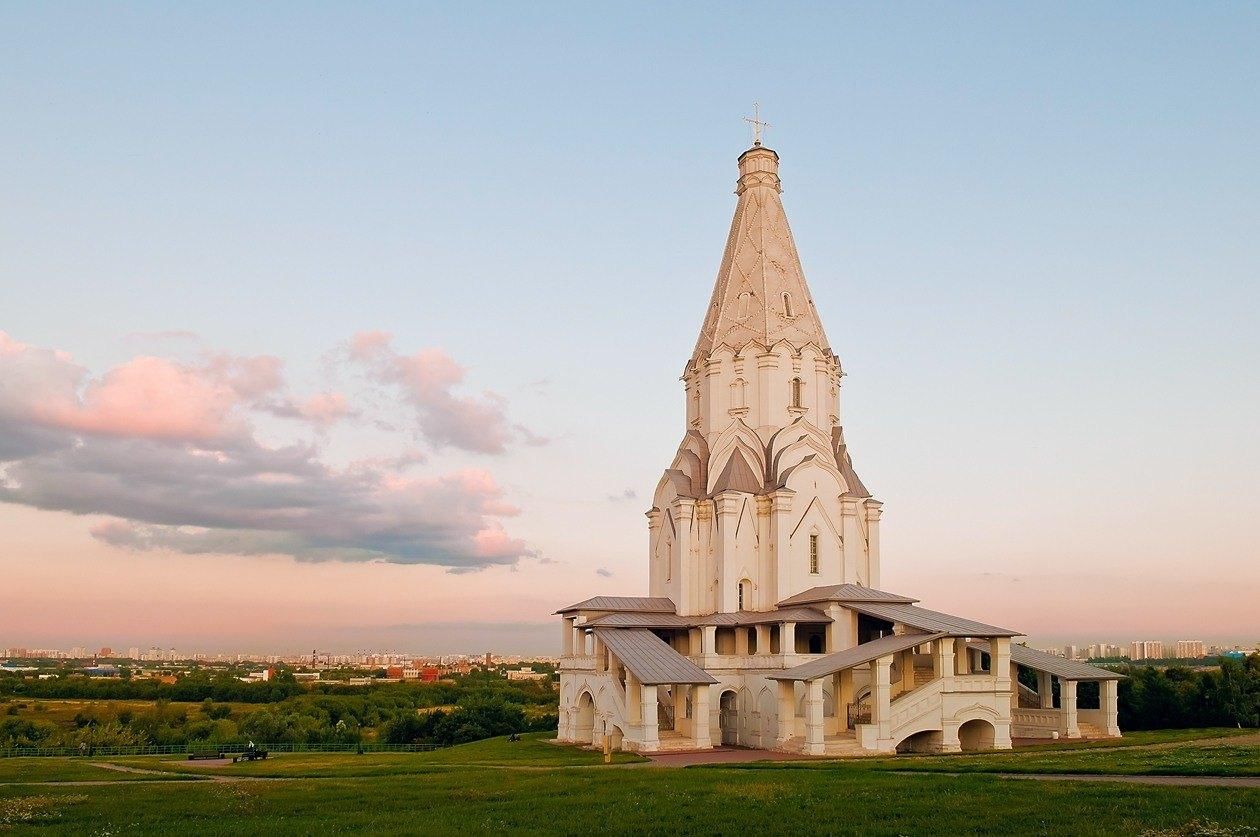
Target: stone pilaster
(874, 510)
(854, 546)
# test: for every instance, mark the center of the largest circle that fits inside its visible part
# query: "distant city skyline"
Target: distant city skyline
(339, 330)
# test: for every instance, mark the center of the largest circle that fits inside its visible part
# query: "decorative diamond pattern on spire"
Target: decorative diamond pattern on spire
(761, 295)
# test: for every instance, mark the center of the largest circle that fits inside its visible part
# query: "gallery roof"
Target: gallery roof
(845, 593)
(650, 659)
(739, 618)
(629, 604)
(929, 620)
(1060, 667)
(855, 656)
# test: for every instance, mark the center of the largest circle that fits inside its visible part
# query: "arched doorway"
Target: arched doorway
(584, 730)
(976, 734)
(928, 741)
(728, 718)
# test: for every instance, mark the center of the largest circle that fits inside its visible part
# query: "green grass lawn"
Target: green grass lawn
(531, 751)
(1184, 760)
(61, 770)
(596, 800)
(535, 787)
(1140, 737)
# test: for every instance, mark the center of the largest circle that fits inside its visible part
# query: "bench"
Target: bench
(206, 755)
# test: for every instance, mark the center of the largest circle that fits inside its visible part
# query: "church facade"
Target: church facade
(765, 624)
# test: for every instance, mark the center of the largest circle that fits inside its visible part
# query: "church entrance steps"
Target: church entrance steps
(843, 745)
(672, 742)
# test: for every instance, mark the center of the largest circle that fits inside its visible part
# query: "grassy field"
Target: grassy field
(63, 712)
(534, 787)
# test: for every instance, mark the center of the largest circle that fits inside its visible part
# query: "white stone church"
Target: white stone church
(765, 625)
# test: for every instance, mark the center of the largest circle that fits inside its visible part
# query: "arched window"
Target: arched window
(787, 305)
(745, 594)
(739, 393)
(813, 554)
(744, 308)
(796, 392)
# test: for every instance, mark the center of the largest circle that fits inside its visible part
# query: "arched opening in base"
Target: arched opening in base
(584, 730)
(928, 741)
(976, 735)
(728, 717)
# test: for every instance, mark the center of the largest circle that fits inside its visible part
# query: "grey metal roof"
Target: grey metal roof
(649, 658)
(634, 604)
(845, 593)
(639, 620)
(763, 617)
(855, 656)
(929, 620)
(740, 618)
(1060, 667)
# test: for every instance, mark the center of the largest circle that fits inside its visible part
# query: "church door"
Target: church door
(728, 719)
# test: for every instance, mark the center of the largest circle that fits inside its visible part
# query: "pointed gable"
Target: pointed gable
(760, 295)
(738, 475)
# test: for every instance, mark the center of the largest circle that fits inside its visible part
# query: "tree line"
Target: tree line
(1153, 697)
(473, 707)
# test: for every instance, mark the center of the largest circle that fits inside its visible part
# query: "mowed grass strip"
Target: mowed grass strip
(615, 800)
(532, 751)
(53, 769)
(1186, 760)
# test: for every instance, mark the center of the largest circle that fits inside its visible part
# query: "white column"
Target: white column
(854, 570)
(874, 509)
(700, 716)
(741, 640)
(1045, 690)
(787, 710)
(763, 639)
(1000, 662)
(680, 706)
(726, 506)
(962, 659)
(781, 524)
(787, 638)
(566, 625)
(1067, 698)
(688, 597)
(943, 663)
(651, 729)
(1109, 703)
(844, 696)
(709, 643)
(881, 697)
(814, 733)
(634, 706)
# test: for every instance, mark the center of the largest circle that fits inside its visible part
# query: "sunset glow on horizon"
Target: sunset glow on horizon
(384, 352)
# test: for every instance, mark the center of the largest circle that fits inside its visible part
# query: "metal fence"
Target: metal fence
(204, 748)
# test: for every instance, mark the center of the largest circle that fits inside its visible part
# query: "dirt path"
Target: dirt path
(1180, 781)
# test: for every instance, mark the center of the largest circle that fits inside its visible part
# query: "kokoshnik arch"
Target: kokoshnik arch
(765, 625)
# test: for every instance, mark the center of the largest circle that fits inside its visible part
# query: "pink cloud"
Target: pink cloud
(427, 380)
(166, 452)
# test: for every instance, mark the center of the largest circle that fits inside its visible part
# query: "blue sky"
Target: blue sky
(1029, 230)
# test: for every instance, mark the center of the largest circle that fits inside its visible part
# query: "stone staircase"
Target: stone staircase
(844, 744)
(672, 741)
(1089, 730)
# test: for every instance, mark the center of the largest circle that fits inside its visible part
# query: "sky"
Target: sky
(351, 326)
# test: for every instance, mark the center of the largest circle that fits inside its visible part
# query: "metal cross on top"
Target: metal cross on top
(757, 124)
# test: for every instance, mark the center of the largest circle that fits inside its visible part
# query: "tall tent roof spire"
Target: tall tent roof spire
(760, 294)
